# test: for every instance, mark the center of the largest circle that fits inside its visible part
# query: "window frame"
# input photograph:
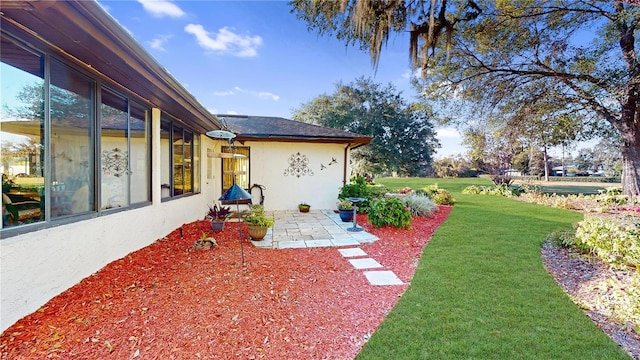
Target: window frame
(98, 85)
(233, 149)
(194, 159)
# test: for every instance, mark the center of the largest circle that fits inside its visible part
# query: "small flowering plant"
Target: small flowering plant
(405, 191)
(345, 204)
(631, 208)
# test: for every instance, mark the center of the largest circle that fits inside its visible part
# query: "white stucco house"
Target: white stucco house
(103, 151)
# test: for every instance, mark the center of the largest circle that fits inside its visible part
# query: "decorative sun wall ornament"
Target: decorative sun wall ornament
(298, 166)
(114, 162)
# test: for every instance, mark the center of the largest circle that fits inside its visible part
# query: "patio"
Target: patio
(317, 228)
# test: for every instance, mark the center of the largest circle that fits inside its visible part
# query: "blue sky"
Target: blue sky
(255, 57)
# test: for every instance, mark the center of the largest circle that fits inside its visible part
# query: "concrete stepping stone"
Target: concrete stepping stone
(385, 277)
(366, 263)
(352, 252)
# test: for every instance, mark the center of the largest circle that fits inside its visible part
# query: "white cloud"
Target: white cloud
(268, 95)
(409, 74)
(238, 90)
(225, 41)
(223, 93)
(162, 8)
(449, 133)
(159, 42)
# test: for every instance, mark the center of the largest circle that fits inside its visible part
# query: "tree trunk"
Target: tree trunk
(631, 164)
(546, 164)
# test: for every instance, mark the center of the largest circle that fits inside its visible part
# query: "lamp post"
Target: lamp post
(235, 193)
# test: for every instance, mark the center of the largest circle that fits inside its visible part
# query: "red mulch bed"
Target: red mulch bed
(167, 302)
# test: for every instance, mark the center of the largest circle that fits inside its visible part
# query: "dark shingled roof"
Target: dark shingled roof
(265, 128)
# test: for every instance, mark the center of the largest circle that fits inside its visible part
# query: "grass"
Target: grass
(481, 291)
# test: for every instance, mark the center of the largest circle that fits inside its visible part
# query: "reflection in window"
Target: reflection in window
(235, 169)
(22, 133)
(165, 156)
(139, 156)
(125, 155)
(49, 159)
(196, 171)
(179, 147)
(72, 155)
(178, 161)
(115, 151)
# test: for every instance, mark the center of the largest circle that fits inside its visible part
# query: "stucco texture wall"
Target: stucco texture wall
(297, 172)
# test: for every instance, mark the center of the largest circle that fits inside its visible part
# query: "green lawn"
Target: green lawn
(481, 292)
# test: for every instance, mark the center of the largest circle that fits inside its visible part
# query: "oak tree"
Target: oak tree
(483, 53)
(404, 139)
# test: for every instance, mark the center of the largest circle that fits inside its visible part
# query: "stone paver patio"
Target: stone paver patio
(324, 228)
(317, 228)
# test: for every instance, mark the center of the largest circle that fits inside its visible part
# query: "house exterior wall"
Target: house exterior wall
(270, 166)
(36, 266)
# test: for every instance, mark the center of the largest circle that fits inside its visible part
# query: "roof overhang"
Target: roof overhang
(83, 32)
(277, 129)
(354, 142)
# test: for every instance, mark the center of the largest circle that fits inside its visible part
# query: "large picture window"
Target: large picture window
(69, 146)
(22, 133)
(124, 157)
(72, 151)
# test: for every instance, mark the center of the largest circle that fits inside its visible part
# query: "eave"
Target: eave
(83, 32)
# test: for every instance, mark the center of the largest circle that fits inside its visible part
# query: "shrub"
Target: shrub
(624, 301)
(439, 196)
(615, 243)
(475, 189)
(612, 196)
(530, 188)
(420, 204)
(567, 239)
(357, 189)
(501, 190)
(377, 190)
(502, 179)
(389, 211)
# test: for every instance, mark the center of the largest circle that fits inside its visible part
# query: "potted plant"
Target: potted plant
(257, 221)
(345, 209)
(218, 215)
(304, 207)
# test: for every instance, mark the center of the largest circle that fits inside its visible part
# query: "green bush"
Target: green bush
(501, 190)
(612, 196)
(420, 204)
(567, 239)
(439, 196)
(389, 211)
(614, 243)
(475, 189)
(377, 190)
(358, 189)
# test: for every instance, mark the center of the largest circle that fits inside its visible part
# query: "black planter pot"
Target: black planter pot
(346, 215)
